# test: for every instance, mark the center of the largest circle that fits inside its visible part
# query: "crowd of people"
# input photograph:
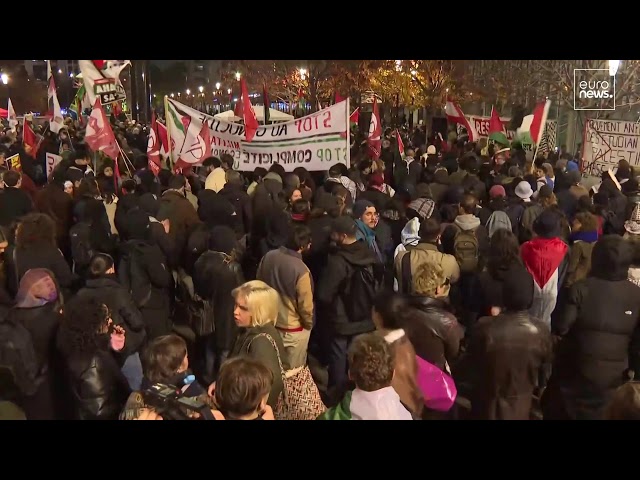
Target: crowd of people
(349, 294)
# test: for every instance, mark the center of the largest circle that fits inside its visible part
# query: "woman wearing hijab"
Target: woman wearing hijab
(38, 308)
(217, 331)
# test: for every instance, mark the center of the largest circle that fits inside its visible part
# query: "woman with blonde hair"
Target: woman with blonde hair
(255, 313)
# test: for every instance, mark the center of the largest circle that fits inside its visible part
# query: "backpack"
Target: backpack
(81, 250)
(498, 220)
(361, 290)
(18, 363)
(466, 250)
(133, 276)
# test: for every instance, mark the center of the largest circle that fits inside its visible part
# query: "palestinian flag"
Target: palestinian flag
(533, 125)
(456, 115)
(497, 130)
(383, 404)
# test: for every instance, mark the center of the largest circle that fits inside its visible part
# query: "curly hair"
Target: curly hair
(80, 328)
(428, 278)
(371, 362)
(504, 251)
(36, 229)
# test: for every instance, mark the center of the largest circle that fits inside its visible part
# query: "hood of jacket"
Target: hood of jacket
(357, 254)
(409, 235)
(106, 281)
(611, 258)
(467, 222)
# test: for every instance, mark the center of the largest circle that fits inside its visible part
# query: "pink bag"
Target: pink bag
(438, 388)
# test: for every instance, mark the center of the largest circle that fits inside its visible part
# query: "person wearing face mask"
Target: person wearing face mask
(285, 271)
(344, 297)
(97, 388)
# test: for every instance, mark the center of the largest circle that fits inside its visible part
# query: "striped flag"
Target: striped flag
(455, 115)
(533, 125)
(57, 122)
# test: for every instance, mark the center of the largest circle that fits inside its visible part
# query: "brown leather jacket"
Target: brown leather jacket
(505, 355)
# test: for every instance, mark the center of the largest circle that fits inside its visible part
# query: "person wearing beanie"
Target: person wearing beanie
(342, 317)
(574, 177)
(546, 257)
(583, 237)
(507, 354)
(497, 191)
(599, 343)
(440, 184)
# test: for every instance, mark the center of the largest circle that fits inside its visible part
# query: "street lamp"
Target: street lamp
(303, 73)
(59, 70)
(229, 91)
(613, 67)
(217, 85)
(201, 88)
(71, 75)
(188, 92)
(172, 95)
(5, 78)
(238, 76)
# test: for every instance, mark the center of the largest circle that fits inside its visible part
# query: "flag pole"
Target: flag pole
(348, 117)
(166, 123)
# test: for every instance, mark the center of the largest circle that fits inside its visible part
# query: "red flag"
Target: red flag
(355, 116)
(374, 141)
(444, 145)
(400, 144)
(99, 135)
(248, 115)
(204, 134)
(162, 135)
(153, 147)
(29, 139)
(339, 98)
(495, 124)
(117, 109)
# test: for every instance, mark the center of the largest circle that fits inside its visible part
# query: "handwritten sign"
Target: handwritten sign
(316, 141)
(606, 142)
(52, 162)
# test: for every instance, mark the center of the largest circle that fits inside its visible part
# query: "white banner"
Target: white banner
(606, 142)
(315, 142)
(52, 162)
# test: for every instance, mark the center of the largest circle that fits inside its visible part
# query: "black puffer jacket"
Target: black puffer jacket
(433, 330)
(228, 276)
(600, 334)
(97, 386)
(123, 311)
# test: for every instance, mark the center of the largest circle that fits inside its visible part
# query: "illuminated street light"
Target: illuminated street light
(613, 67)
(201, 88)
(172, 95)
(59, 70)
(217, 85)
(5, 78)
(414, 73)
(303, 73)
(188, 92)
(229, 91)
(238, 76)
(71, 75)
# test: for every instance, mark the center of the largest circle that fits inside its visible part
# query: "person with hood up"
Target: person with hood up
(546, 257)
(600, 336)
(218, 330)
(507, 354)
(344, 311)
(234, 192)
(159, 231)
(38, 308)
(143, 271)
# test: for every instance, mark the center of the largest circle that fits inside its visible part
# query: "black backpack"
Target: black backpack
(81, 250)
(18, 363)
(133, 276)
(361, 290)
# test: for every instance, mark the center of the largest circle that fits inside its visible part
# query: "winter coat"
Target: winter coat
(181, 214)
(14, 204)
(53, 201)
(241, 203)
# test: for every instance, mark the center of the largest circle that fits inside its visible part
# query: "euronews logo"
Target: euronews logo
(594, 89)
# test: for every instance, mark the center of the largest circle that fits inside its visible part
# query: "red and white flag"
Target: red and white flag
(455, 115)
(374, 140)
(164, 139)
(13, 118)
(56, 123)
(355, 116)
(400, 143)
(248, 115)
(29, 139)
(153, 147)
(99, 135)
(533, 125)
